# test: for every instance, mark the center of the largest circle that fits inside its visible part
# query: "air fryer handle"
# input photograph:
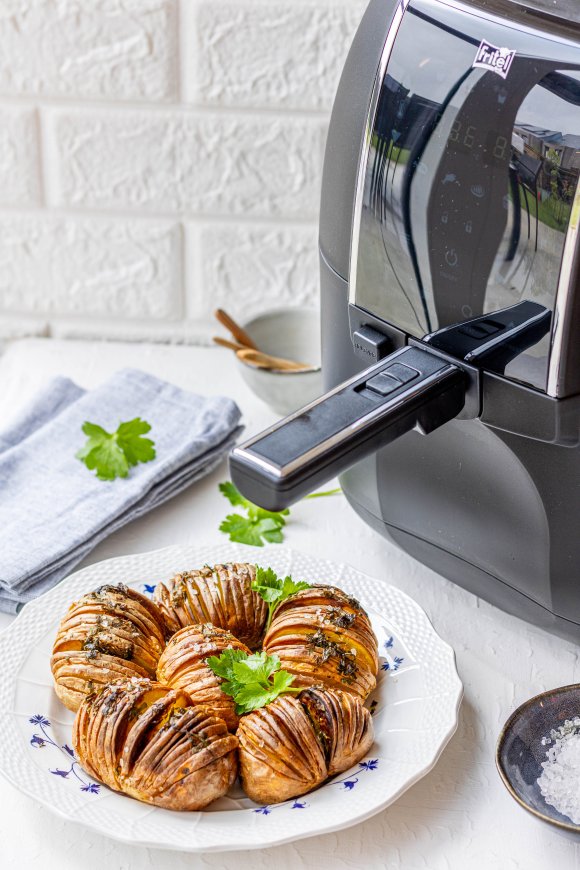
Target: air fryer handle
(412, 388)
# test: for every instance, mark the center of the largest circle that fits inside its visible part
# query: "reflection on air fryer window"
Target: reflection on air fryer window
(469, 188)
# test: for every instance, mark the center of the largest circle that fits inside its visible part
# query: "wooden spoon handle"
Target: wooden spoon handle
(265, 361)
(232, 345)
(238, 333)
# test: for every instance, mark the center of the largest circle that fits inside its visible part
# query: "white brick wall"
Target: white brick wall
(19, 157)
(161, 157)
(296, 56)
(90, 268)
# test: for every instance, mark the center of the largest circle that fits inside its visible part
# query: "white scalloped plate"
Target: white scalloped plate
(415, 713)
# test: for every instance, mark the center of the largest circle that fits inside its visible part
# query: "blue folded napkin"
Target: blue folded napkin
(54, 511)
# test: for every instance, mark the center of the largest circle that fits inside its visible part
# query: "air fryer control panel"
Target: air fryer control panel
(468, 198)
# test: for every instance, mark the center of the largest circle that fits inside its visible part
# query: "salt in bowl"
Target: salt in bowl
(523, 745)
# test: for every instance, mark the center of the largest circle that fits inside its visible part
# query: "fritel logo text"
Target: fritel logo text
(491, 57)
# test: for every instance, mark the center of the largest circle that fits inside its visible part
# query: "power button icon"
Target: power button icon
(451, 257)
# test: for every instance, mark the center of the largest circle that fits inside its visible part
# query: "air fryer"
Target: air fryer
(450, 301)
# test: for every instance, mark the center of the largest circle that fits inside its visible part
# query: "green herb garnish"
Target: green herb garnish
(259, 525)
(251, 680)
(274, 590)
(111, 455)
(324, 494)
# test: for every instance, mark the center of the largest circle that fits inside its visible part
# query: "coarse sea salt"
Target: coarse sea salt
(560, 776)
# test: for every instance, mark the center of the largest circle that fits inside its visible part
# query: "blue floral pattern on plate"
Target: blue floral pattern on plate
(428, 668)
(41, 741)
(347, 783)
(389, 661)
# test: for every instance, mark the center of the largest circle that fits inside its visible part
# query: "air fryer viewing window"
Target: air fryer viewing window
(470, 182)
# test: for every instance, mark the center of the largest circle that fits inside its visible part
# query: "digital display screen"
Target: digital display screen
(488, 145)
(469, 185)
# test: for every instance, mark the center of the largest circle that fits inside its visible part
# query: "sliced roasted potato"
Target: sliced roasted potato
(295, 743)
(343, 726)
(182, 665)
(153, 744)
(324, 636)
(221, 595)
(280, 756)
(107, 635)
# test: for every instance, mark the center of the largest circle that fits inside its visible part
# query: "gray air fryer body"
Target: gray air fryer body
(449, 238)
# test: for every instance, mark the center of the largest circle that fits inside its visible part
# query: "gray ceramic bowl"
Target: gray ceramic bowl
(520, 751)
(291, 333)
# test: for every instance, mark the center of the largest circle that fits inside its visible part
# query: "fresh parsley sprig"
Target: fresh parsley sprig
(274, 590)
(112, 454)
(259, 525)
(251, 680)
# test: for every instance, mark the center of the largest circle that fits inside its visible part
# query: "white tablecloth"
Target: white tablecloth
(459, 817)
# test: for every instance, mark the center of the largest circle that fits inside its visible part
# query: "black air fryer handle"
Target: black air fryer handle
(412, 388)
(494, 339)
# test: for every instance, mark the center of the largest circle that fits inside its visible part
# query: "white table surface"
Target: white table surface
(459, 816)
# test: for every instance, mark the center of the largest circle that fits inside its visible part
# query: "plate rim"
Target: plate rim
(237, 550)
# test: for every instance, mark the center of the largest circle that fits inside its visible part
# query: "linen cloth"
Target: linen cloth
(54, 511)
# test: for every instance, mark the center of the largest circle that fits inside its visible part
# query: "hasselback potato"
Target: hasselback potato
(343, 726)
(152, 743)
(322, 635)
(293, 744)
(182, 665)
(110, 634)
(221, 595)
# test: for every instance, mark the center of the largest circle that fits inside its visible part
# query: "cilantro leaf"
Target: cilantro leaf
(257, 527)
(275, 536)
(282, 680)
(93, 430)
(223, 666)
(233, 495)
(274, 590)
(325, 494)
(135, 448)
(258, 513)
(241, 530)
(267, 584)
(231, 687)
(244, 530)
(252, 680)
(103, 455)
(290, 588)
(257, 668)
(252, 697)
(111, 454)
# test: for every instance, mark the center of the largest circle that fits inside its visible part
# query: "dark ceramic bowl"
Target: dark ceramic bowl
(520, 751)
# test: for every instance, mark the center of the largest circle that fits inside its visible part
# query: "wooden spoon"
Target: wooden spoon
(264, 361)
(238, 333)
(232, 345)
(247, 351)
